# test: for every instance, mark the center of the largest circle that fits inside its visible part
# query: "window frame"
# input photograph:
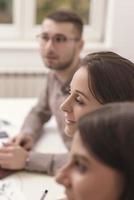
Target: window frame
(15, 28)
(24, 29)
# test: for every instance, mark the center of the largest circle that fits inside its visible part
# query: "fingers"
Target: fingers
(17, 140)
(5, 160)
(6, 149)
(4, 156)
(12, 141)
(4, 166)
(24, 141)
(27, 146)
(13, 157)
(27, 142)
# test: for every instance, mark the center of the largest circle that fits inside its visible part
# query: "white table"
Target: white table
(33, 184)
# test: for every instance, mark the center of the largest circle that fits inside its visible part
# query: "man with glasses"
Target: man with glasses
(60, 43)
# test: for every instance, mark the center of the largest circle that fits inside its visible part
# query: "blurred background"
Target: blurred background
(108, 26)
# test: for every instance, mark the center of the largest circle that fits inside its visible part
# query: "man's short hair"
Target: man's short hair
(67, 17)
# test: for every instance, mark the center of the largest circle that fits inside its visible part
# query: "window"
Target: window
(20, 19)
(6, 15)
(44, 7)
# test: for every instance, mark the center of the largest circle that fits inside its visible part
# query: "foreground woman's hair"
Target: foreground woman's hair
(109, 133)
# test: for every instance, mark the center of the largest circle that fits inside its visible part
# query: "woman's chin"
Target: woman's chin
(70, 131)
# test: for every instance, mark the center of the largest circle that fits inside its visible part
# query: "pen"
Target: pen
(44, 195)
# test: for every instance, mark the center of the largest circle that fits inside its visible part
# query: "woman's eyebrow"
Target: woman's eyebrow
(82, 94)
(81, 157)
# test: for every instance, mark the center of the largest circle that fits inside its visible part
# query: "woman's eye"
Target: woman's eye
(80, 166)
(78, 100)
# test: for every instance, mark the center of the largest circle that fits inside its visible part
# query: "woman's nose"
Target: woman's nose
(62, 177)
(66, 106)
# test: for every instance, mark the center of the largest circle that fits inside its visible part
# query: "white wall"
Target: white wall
(119, 33)
(122, 35)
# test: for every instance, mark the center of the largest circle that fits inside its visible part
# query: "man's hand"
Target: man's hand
(24, 140)
(13, 157)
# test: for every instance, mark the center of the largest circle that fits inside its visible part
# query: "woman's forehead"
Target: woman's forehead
(80, 78)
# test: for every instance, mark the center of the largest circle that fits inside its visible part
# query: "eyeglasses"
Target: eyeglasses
(58, 40)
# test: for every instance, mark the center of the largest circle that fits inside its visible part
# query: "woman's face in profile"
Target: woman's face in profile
(79, 101)
(85, 177)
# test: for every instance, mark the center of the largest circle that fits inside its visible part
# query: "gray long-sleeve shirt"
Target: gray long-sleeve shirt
(48, 104)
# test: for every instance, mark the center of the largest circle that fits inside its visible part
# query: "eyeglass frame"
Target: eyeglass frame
(53, 38)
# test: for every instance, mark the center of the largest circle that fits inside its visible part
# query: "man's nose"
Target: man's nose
(49, 44)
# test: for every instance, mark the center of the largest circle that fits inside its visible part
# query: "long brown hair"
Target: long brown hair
(109, 133)
(111, 77)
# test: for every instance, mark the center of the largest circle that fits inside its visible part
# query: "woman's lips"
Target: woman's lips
(68, 121)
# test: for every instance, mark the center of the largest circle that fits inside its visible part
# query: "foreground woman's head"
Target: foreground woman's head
(103, 77)
(101, 164)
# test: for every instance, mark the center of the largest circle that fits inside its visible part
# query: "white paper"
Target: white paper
(10, 191)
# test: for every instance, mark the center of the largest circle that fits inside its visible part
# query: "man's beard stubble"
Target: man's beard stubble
(62, 66)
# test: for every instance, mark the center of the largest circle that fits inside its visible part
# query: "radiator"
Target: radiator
(21, 84)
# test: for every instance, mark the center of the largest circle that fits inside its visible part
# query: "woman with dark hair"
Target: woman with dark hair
(101, 164)
(103, 77)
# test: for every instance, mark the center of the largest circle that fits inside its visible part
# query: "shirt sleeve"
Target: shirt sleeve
(39, 114)
(46, 163)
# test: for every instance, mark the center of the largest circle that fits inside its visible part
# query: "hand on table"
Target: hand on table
(24, 140)
(13, 157)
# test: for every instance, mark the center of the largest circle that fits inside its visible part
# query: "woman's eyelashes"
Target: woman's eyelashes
(78, 99)
(79, 166)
